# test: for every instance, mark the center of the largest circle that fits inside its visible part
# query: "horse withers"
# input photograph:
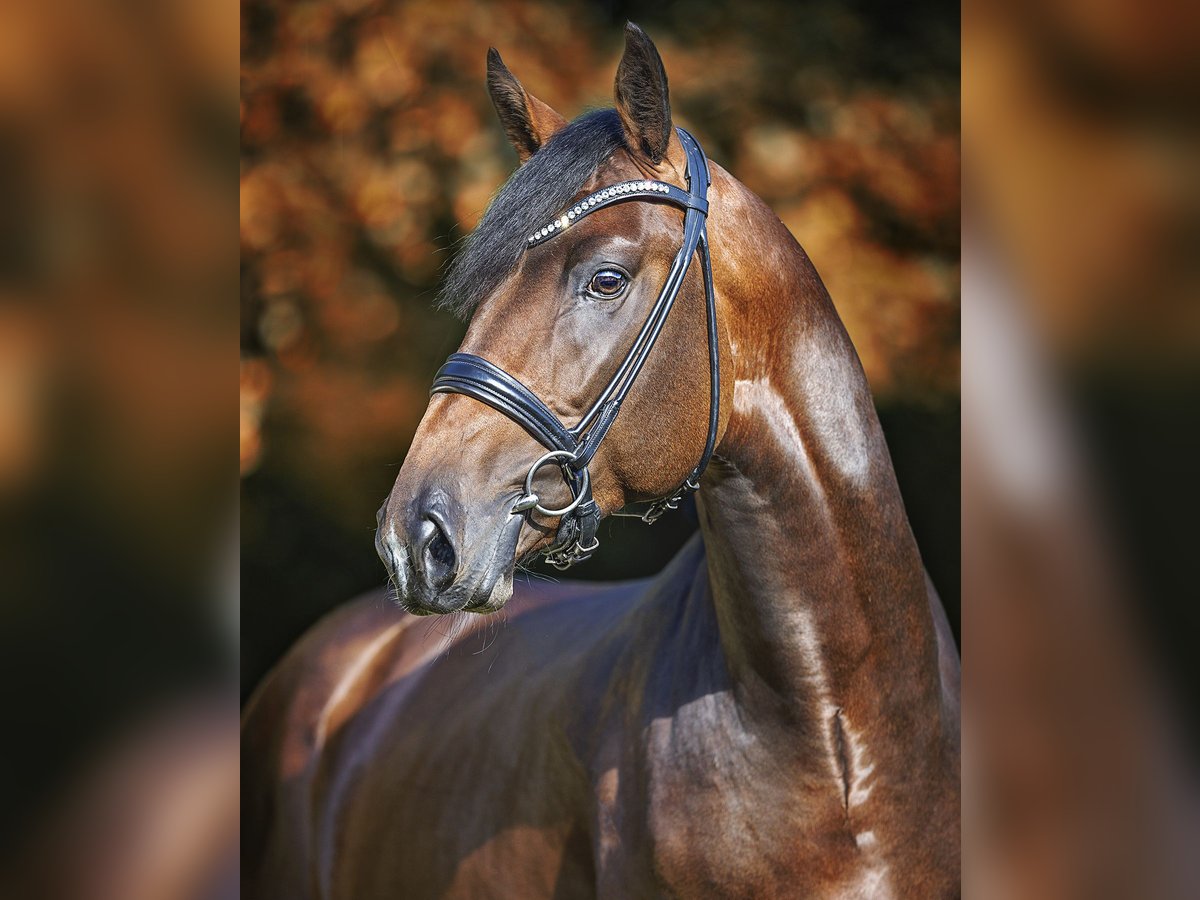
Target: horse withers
(775, 714)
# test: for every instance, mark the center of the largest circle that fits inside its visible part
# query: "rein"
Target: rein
(573, 448)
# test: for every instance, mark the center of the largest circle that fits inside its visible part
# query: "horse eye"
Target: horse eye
(607, 283)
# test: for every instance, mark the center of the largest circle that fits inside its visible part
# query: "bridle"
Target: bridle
(573, 448)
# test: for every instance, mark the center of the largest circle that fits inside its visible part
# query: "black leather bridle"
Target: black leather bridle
(572, 448)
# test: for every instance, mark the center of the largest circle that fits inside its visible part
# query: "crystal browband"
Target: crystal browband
(622, 191)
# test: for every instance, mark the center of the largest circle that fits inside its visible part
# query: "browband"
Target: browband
(626, 190)
(573, 448)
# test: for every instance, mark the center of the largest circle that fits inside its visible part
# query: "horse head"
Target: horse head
(552, 324)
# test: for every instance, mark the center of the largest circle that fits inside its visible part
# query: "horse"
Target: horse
(776, 714)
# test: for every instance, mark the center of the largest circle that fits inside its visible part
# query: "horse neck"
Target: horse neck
(818, 585)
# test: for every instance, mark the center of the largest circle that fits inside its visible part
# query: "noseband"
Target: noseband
(573, 448)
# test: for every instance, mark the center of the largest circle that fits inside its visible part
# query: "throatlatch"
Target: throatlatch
(573, 448)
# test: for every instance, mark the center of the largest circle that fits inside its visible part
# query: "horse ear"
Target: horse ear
(528, 121)
(642, 100)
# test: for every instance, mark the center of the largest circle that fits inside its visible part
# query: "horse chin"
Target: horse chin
(500, 594)
(494, 587)
(485, 596)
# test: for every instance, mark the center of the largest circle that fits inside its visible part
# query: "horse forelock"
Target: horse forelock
(534, 194)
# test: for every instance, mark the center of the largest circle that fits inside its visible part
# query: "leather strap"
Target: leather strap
(466, 373)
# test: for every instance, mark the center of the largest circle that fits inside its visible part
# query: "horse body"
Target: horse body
(775, 715)
(391, 759)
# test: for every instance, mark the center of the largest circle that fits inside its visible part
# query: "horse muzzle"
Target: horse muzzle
(436, 565)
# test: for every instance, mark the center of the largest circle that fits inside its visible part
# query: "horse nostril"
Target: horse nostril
(440, 558)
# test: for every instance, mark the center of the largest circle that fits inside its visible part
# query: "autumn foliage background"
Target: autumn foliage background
(370, 148)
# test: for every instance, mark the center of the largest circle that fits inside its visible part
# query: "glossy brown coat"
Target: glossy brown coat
(774, 715)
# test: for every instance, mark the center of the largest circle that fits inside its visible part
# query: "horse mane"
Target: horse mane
(534, 194)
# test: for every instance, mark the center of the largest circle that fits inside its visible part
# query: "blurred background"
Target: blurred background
(370, 148)
(1080, 447)
(118, 428)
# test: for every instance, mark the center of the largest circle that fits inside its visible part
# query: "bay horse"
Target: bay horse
(776, 714)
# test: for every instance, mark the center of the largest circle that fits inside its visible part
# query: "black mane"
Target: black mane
(532, 196)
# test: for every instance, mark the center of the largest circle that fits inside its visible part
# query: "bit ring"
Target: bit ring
(531, 500)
